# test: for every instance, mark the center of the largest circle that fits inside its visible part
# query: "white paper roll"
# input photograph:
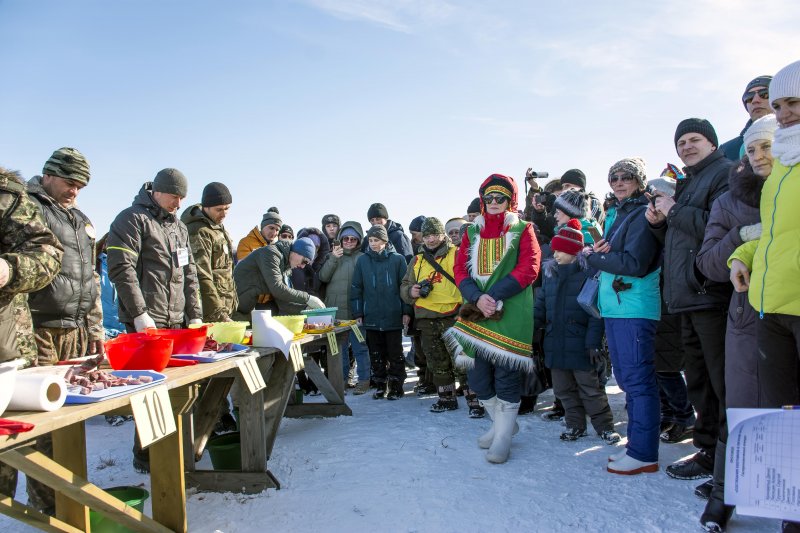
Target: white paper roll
(269, 333)
(38, 392)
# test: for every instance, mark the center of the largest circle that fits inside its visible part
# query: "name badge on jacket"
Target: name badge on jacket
(183, 257)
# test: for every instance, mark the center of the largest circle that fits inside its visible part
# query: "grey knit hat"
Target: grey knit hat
(635, 166)
(432, 226)
(762, 129)
(572, 203)
(271, 217)
(68, 163)
(379, 232)
(171, 181)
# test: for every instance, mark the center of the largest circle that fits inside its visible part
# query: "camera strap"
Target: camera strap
(436, 266)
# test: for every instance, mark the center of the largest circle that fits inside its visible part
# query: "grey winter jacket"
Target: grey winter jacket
(736, 208)
(337, 272)
(262, 276)
(685, 287)
(144, 246)
(72, 299)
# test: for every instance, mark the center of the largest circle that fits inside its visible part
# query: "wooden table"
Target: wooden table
(66, 473)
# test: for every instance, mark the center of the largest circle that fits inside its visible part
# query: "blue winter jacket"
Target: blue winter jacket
(375, 290)
(634, 258)
(110, 301)
(568, 330)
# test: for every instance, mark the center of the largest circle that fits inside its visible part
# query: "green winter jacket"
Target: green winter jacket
(337, 272)
(262, 276)
(213, 257)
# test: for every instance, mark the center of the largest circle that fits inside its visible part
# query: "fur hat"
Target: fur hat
(68, 163)
(377, 211)
(572, 203)
(497, 183)
(432, 226)
(305, 247)
(762, 129)
(569, 239)
(786, 83)
(330, 219)
(574, 176)
(696, 125)
(635, 166)
(379, 232)
(216, 193)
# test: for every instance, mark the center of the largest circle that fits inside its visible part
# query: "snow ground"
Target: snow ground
(396, 467)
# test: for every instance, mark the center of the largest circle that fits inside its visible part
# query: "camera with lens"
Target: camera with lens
(530, 173)
(547, 199)
(425, 288)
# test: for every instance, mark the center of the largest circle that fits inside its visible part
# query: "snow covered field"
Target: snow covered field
(396, 467)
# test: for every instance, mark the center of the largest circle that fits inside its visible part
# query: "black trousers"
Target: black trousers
(778, 360)
(703, 337)
(386, 355)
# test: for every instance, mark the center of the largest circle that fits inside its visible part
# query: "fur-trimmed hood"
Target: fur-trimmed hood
(744, 185)
(11, 175)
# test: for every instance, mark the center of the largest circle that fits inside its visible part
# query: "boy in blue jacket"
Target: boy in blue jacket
(572, 339)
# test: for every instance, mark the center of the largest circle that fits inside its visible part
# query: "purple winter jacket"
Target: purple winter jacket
(736, 208)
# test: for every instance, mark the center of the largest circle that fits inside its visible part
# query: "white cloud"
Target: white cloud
(397, 15)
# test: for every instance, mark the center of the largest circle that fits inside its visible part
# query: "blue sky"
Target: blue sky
(324, 106)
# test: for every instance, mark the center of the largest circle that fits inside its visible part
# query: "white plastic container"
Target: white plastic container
(8, 377)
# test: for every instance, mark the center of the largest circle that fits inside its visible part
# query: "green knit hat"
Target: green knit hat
(68, 163)
(432, 226)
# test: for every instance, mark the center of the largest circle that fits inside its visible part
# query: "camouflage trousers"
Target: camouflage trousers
(26, 344)
(441, 366)
(60, 344)
(8, 480)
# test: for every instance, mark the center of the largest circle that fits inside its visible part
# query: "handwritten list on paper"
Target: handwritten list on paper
(762, 470)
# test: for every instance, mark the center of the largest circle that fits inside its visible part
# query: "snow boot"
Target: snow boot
(424, 388)
(380, 391)
(556, 414)
(610, 436)
(526, 405)
(489, 406)
(675, 433)
(628, 466)
(618, 455)
(362, 387)
(447, 399)
(505, 421)
(716, 515)
(476, 410)
(703, 490)
(395, 390)
(698, 466)
(573, 434)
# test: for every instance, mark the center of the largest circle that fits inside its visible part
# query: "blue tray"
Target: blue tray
(113, 392)
(213, 357)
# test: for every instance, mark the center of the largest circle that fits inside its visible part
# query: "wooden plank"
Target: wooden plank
(335, 374)
(279, 386)
(188, 442)
(252, 426)
(224, 481)
(167, 484)
(69, 450)
(32, 517)
(312, 410)
(206, 412)
(183, 398)
(40, 467)
(316, 375)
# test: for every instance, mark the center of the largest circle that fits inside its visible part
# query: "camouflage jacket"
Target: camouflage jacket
(34, 257)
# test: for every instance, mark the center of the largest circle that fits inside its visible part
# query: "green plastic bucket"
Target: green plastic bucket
(225, 451)
(132, 496)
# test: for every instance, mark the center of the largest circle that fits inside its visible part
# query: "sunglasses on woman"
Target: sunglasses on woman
(626, 178)
(494, 199)
(762, 93)
(349, 239)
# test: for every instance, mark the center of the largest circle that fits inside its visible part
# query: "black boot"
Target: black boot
(395, 390)
(380, 391)
(476, 410)
(716, 514)
(527, 404)
(447, 399)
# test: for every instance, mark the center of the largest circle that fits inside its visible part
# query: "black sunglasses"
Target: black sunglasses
(494, 199)
(626, 178)
(762, 93)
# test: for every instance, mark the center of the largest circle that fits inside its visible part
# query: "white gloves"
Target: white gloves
(195, 321)
(315, 303)
(143, 322)
(4, 272)
(750, 233)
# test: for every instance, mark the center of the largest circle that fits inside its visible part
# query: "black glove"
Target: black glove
(595, 356)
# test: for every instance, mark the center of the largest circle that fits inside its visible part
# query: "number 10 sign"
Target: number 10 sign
(152, 412)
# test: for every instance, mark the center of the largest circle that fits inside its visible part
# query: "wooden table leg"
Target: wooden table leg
(167, 483)
(252, 427)
(69, 450)
(335, 371)
(279, 386)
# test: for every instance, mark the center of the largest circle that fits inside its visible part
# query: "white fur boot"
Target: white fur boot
(485, 440)
(628, 466)
(505, 419)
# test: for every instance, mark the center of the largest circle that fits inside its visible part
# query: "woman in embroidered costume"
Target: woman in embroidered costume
(497, 262)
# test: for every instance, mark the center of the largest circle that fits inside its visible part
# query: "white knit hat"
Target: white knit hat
(762, 129)
(786, 83)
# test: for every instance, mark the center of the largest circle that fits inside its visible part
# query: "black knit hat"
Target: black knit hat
(474, 206)
(416, 224)
(171, 181)
(696, 125)
(286, 228)
(330, 219)
(574, 176)
(761, 81)
(377, 211)
(572, 203)
(216, 193)
(379, 232)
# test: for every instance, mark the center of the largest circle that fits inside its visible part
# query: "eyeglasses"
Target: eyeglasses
(354, 239)
(494, 199)
(626, 178)
(762, 93)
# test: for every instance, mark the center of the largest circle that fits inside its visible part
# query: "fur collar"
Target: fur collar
(509, 220)
(744, 185)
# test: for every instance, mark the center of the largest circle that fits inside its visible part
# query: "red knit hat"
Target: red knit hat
(569, 239)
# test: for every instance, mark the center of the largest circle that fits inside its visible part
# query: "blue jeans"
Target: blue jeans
(631, 343)
(361, 354)
(488, 380)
